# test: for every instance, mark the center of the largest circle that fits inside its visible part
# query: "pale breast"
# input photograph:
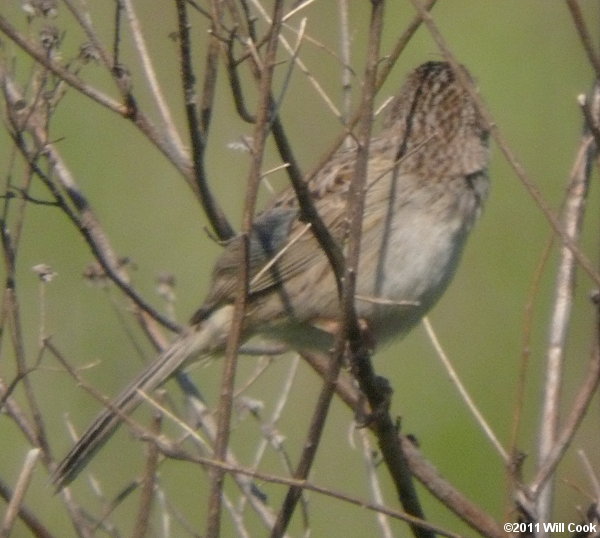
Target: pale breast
(405, 270)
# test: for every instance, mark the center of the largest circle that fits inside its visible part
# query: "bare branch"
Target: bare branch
(198, 126)
(78, 209)
(147, 494)
(572, 221)
(14, 506)
(231, 353)
(26, 515)
(584, 34)
(423, 470)
(563, 439)
(483, 424)
(150, 73)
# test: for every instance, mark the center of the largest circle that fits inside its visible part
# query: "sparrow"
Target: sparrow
(426, 185)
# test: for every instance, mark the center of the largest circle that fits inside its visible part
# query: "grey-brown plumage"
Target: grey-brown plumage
(427, 180)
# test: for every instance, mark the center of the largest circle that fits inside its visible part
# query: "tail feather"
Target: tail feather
(199, 342)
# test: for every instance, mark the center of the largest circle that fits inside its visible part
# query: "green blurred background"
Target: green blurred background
(530, 67)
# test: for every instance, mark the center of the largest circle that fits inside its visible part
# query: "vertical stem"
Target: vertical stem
(370, 384)
(355, 214)
(572, 218)
(198, 126)
(217, 475)
(345, 57)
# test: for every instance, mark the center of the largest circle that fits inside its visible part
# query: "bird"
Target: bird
(426, 184)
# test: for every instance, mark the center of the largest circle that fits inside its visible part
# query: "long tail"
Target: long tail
(200, 342)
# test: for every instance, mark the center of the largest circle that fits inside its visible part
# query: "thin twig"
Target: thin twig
(147, 493)
(27, 515)
(290, 50)
(464, 394)
(311, 444)
(13, 317)
(521, 389)
(150, 73)
(235, 84)
(449, 495)
(211, 69)
(244, 483)
(231, 353)
(591, 474)
(198, 125)
(41, 57)
(587, 42)
(345, 57)
(423, 470)
(355, 213)
(373, 480)
(383, 73)
(174, 452)
(572, 221)
(14, 506)
(83, 19)
(273, 420)
(573, 420)
(370, 384)
(128, 109)
(308, 212)
(294, 54)
(79, 211)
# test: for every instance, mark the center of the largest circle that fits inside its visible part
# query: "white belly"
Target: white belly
(416, 261)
